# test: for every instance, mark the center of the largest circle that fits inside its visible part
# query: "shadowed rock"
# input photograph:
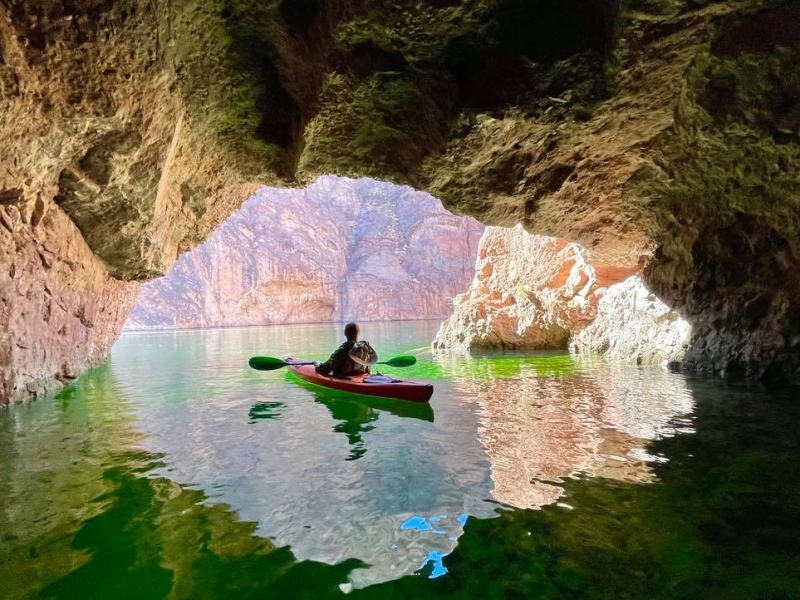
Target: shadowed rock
(656, 131)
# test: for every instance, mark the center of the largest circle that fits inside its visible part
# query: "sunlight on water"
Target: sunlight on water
(175, 468)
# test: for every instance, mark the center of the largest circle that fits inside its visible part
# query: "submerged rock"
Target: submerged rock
(535, 292)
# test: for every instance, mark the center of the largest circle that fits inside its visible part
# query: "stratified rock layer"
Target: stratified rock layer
(339, 250)
(533, 292)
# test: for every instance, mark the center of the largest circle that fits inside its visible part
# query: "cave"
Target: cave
(636, 167)
(660, 136)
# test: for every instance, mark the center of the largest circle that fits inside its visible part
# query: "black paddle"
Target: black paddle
(269, 363)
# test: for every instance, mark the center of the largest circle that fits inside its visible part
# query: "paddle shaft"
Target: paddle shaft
(269, 363)
(311, 362)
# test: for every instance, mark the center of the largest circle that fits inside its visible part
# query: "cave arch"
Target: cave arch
(664, 131)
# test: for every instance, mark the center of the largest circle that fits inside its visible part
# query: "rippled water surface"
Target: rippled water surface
(175, 471)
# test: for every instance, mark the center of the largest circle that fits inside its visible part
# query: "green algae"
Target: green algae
(222, 53)
(721, 197)
(415, 30)
(390, 123)
(489, 366)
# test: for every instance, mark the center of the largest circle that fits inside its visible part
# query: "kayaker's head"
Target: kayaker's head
(351, 331)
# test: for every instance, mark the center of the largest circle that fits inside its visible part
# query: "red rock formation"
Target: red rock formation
(59, 309)
(338, 250)
(538, 292)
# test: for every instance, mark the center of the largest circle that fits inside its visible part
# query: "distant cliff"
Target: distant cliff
(338, 250)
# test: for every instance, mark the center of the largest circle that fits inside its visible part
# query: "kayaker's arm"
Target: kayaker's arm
(336, 361)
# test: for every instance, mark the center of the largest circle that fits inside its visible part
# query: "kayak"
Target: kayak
(367, 385)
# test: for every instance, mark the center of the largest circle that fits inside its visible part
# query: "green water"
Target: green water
(174, 471)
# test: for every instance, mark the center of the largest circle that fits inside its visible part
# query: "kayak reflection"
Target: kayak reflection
(356, 414)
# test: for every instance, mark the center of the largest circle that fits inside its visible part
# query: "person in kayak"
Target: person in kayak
(351, 358)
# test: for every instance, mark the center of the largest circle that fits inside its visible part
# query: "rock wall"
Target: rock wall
(338, 250)
(104, 177)
(658, 131)
(632, 324)
(534, 292)
(59, 308)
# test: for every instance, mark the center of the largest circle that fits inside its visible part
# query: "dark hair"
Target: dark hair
(351, 331)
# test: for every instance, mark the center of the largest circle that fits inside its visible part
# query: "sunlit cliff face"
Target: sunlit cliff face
(661, 133)
(338, 250)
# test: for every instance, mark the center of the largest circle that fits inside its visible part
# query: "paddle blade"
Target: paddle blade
(401, 361)
(266, 363)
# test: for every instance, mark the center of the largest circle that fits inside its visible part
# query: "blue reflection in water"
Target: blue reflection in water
(418, 523)
(434, 559)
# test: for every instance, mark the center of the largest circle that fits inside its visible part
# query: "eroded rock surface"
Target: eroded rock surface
(59, 308)
(338, 250)
(653, 130)
(533, 292)
(104, 176)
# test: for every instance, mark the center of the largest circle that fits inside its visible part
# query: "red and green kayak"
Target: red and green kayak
(368, 385)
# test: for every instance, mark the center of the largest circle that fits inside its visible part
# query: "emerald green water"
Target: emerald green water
(174, 471)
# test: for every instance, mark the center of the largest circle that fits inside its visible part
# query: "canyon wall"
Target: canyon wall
(59, 308)
(338, 250)
(533, 292)
(664, 132)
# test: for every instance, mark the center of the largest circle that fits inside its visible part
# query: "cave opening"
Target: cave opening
(338, 250)
(364, 250)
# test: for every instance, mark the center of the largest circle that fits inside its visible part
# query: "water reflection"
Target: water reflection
(543, 419)
(374, 488)
(81, 515)
(51, 470)
(721, 521)
(332, 492)
(356, 416)
(265, 410)
(328, 474)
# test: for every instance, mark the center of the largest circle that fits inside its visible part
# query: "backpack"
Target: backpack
(363, 354)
